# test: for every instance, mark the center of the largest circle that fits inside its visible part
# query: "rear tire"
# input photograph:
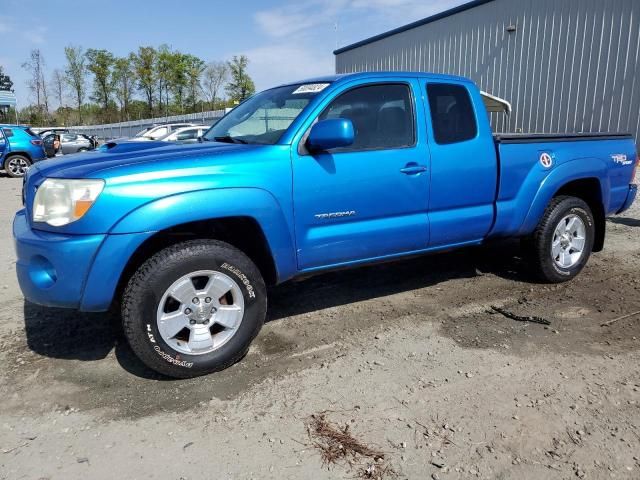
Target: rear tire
(16, 166)
(561, 244)
(176, 316)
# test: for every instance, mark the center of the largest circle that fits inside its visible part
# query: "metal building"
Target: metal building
(565, 65)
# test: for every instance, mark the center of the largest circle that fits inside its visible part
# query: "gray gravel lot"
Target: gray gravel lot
(406, 354)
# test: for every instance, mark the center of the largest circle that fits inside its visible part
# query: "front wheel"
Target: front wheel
(194, 308)
(560, 246)
(16, 166)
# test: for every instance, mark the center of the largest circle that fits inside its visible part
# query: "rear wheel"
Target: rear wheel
(560, 246)
(17, 165)
(194, 308)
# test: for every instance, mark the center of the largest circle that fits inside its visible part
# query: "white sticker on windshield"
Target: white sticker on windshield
(311, 88)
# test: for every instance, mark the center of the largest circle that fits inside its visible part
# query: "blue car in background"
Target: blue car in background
(20, 147)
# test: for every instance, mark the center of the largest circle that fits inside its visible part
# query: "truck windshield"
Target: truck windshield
(264, 117)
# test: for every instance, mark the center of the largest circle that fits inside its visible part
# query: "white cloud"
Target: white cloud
(300, 37)
(278, 24)
(281, 63)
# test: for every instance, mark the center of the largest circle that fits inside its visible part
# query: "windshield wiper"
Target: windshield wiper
(230, 139)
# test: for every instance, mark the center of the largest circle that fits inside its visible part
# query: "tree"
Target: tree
(164, 71)
(36, 83)
(215, 75)
(241, 86)
(178, 78)
(100, 64)
(143, 64)
(76, 71)
(123, 82)
(57, 85)
(193, 69)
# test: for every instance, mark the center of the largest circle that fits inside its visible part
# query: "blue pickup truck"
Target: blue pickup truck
(314, 175)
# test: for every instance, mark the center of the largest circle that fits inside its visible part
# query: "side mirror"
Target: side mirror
(332, 133)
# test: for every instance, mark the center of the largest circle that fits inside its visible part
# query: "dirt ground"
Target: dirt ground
(407, 355)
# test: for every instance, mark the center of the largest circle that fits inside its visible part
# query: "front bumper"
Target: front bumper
(71, 271)
(52, 268)
(631, 196)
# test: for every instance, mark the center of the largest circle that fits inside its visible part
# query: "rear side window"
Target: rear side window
(452, 114)
(8, 133)
(382, 116)
(187, 135)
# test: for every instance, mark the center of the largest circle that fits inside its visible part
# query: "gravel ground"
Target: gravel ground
(407, 355)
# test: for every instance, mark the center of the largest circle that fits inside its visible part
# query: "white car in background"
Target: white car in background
(186, 134)
(158, 131)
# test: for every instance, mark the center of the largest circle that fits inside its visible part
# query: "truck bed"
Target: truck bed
(557, 137)
(605, 161)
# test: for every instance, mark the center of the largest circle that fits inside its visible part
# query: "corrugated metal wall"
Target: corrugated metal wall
(570, 65)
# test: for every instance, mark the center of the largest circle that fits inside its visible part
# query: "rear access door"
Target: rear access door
(464, 166)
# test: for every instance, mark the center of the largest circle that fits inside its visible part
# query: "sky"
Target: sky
(284, 40)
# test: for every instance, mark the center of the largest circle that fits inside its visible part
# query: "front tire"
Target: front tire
(561, 244)
(194, 308)
(16, 166)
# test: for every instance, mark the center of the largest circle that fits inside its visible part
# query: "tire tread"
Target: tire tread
(138, 282)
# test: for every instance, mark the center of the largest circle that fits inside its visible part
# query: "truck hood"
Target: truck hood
(113, 155)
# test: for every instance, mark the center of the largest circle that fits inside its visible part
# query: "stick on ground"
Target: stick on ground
(519, 318)
(610, 322)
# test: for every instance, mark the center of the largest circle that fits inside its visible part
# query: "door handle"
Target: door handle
(413, 169)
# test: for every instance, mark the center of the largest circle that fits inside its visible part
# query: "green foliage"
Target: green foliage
(148, 82)
(100, 63)
(123, 84)
(241, 86)
(5, 81)
(76, 72)
(144, 64)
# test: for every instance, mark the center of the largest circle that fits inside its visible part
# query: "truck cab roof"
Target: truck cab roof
(365, 75)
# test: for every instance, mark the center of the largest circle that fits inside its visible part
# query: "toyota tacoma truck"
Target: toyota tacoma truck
(302, 178)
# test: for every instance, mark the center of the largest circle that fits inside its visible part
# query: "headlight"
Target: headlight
(59, 202)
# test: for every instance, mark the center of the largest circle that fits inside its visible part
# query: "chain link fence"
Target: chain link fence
(129, 129)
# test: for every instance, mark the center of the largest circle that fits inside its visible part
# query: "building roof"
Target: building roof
(424, 21)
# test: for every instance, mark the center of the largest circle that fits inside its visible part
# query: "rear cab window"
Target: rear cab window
(452, 115)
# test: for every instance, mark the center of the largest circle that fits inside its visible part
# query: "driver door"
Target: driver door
(368, 200)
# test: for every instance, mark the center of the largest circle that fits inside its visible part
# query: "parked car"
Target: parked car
(19, 149)
(158, 131)
(185, 134)
(43, 132)
(300, 179)
(69, 143)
